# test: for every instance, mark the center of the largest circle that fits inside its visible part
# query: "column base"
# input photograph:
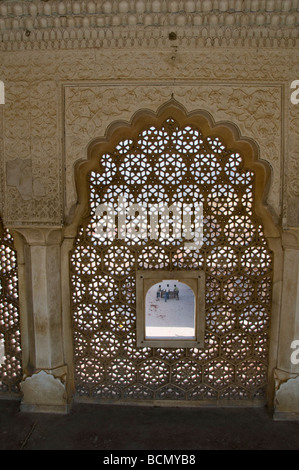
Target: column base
(286, 403)
(43, 393)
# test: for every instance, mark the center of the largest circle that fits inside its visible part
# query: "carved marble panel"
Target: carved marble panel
(30, 133)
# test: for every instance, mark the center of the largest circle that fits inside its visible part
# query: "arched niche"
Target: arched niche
(225, 278)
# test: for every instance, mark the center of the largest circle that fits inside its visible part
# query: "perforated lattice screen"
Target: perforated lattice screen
(10, 338)
(169, 164)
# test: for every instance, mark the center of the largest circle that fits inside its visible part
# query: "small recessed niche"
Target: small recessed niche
(170, 309)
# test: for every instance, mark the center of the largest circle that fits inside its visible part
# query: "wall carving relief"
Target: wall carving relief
(73, 24)
(81, 100)
(292, 171)
(33, 164)
(19, 175)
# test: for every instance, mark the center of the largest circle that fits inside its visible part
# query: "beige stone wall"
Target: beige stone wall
(71, 69)
(47, 124)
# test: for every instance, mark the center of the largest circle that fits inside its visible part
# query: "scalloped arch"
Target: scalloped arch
(238, 276)
(202, 119)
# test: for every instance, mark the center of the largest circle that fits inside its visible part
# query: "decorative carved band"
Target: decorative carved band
(72, 24)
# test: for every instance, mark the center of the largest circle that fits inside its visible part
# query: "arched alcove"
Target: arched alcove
(173, 157)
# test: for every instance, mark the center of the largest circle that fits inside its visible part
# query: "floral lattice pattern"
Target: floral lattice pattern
(10, 337)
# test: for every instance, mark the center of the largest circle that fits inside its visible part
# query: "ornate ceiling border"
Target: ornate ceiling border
(68, 24)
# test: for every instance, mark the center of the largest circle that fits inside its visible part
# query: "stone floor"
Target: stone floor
(136, 428)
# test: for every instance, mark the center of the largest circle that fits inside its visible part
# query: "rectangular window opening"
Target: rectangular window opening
(170, 309)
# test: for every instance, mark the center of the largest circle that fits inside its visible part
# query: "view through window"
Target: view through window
(170, 311)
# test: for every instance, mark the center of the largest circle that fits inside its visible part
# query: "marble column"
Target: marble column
(286, 402)
(44, 384)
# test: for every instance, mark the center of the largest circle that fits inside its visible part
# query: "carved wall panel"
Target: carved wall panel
(32, 163)
(35, 120)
